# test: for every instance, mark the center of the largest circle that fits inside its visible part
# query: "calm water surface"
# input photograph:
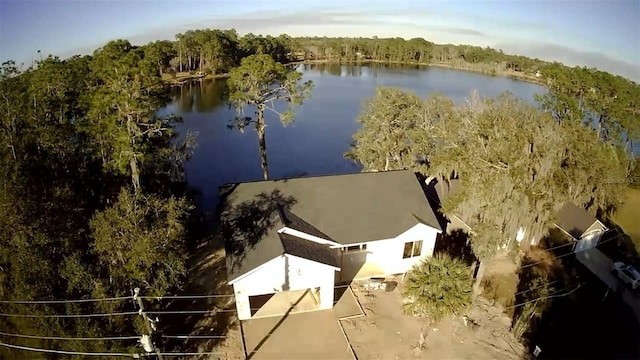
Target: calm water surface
(315, 143)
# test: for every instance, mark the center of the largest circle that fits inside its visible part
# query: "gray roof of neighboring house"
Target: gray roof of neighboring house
(347, 209)
(574, 220)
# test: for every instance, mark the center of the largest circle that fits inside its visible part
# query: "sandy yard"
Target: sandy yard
(386, 333)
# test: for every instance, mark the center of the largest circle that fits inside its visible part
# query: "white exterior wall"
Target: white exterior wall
(588, 242)
(387, 254)
(270, 278)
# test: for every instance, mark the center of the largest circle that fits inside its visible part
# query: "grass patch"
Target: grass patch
(628, 215)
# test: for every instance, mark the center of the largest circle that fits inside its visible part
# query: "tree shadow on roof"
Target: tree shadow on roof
(244, 225)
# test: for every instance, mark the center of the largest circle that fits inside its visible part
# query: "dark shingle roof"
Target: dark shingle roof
(346, 209)
(293, 221)
(309, 250)
(574, 220)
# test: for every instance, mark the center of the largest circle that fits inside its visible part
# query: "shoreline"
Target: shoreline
(185, 79)
(511, 74)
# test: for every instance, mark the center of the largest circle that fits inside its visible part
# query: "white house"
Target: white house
(290, 241)
(581, 227)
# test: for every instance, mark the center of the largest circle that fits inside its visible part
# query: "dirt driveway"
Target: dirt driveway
(311, 335)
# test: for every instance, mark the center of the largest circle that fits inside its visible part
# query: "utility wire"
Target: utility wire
(185, 297)
(52, 351)
(119, 298)
(194, 336)
(71, 338)
(192, 353)
(132, 355)
(70, 315)
(535, 287)
(546, 297)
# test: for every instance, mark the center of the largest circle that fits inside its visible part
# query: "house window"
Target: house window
(412, 249)
(354, 248)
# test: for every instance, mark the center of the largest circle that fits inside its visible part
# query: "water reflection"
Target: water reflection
(200, 95)
(359, 69)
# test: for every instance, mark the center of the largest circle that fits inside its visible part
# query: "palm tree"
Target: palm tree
(435, 288)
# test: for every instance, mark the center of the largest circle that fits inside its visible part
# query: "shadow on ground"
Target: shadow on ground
(457, 245)
(569, 313)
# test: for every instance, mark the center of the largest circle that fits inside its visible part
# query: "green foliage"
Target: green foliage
(392, 134)
(261, 81)
(415, 50)
(517, 165)
(602, 100)
(437, 287)
(63, 126)
(127, 93)
(140, 240)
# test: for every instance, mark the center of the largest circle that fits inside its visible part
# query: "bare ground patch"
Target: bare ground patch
(500, 281)
(386, 333)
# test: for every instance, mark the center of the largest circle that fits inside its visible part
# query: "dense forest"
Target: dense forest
(93, 198)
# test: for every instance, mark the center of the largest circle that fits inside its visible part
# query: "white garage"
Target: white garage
(301, 279)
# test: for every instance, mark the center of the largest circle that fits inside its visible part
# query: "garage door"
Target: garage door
(280, 303)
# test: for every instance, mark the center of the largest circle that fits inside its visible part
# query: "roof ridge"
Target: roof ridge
(315, 176)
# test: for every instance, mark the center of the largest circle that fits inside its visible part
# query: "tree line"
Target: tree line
(416, 50)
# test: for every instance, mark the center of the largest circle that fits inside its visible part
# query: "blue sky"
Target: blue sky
(604, 34)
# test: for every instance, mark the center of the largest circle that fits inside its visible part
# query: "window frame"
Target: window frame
(354, 248)
(412, 253)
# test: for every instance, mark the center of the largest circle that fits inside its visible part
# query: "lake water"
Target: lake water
(315, 143)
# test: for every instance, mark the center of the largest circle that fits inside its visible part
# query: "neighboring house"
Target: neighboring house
(299, 236)
(439, 190)
(581, 227)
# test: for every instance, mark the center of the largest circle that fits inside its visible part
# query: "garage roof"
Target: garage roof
(346, 209)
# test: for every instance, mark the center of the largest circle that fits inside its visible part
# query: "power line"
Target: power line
(71, 315)
(546, 297)
(71, 338)
(132, 355)
(535, 287)
(194, 336)
(185, 297)
(175, 312)
(119, 298)
(52, 351)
